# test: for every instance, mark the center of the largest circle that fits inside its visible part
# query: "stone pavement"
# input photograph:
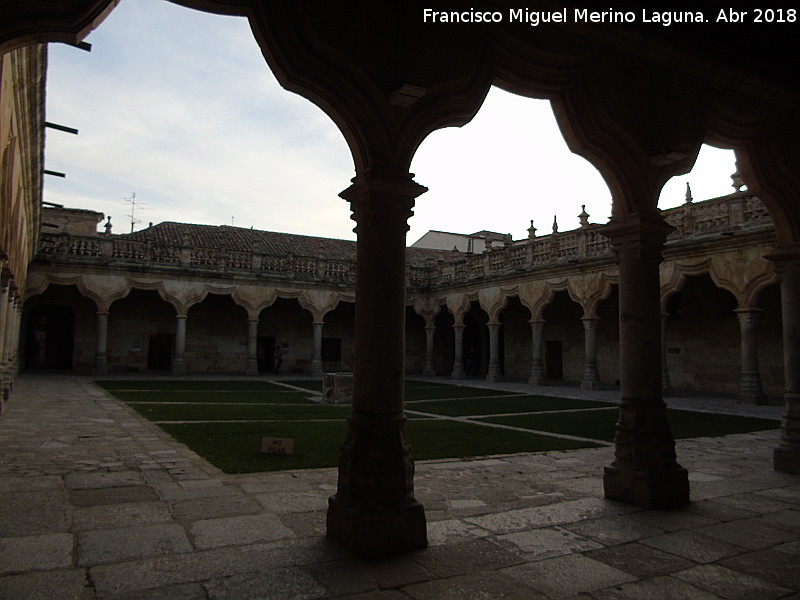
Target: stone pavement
(96, 502)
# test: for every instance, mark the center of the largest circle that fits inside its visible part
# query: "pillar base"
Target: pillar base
(649, 489)
(371, 533)
(429, 373)
(786, 459)
(752, 398)
(590, 385)
(374, 512)
(493, 377)
(178, 367)
(251, 367)
(458, 373)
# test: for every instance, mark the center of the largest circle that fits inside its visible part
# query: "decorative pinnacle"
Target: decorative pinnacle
(555, 224)
(531, 231)
(737, 184)
(688, 194)
(583, 217)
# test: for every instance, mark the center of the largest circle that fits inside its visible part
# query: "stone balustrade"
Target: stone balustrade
(713, 218)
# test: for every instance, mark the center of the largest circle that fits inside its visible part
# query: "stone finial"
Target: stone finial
(688, 193)
(531, 231)
(738, 183)
(555, 223)
(507, 240)
(108, 226)
(583, 217)
(489, 243)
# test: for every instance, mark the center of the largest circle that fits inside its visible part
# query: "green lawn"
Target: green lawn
(265, 409)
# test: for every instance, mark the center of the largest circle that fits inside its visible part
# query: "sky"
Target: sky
(178, 110)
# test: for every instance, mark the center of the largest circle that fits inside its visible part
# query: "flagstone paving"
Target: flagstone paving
(96, 502)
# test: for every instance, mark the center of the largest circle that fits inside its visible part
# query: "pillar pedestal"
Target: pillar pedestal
(750, 388)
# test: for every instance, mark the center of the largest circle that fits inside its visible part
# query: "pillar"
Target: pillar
(251, 366)
(493, 372)
(750, 388)
(4, 298)
(458, 353)
(178, 361)
(429, 371)
(666, 382)
(316, 357)
(8, 327)
(787, 455)
(100, 355)
(537, 356)
(374, 511)
(591, 379)
(644, 471)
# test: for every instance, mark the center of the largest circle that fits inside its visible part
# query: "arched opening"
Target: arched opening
(476, 341)
(285, 338)
(702, 324)
(563, 339)
(608, 338)
(216, 336)
(444, 343)
(516, 348)
(415, 342)
(141, 333)
(337, 338)
(59, 330)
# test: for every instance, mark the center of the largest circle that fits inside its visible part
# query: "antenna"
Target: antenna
(132, 201)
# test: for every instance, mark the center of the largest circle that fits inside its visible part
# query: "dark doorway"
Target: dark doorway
(553, 360)
(49, 337)
(265, 354)
(159, 352)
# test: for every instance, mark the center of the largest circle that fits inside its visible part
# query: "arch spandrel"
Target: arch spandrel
(590, 289)
(318, 303)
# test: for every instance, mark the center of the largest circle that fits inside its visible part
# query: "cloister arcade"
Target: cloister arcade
(636, 102)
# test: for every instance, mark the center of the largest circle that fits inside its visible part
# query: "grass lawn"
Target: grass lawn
(601, 424)
(265, 409)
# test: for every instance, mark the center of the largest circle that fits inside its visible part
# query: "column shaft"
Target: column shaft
(537, 355)
(429, 371)
(251, 366)
(644, 471)
(178, 361)
(100, 355)
(787, 455)
(316, 357)
(666, 383)
(493, 372)
(591, 378)
(374, 511)
(458, 352)
(750, 388)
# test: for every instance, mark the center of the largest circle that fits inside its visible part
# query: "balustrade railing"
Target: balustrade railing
(692, 221)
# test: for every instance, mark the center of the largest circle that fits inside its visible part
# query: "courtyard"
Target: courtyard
(99, 502)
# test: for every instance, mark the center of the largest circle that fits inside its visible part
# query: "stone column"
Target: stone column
(429, 371)
(787, 455)
(493, 372)
(316, 357)
(458, 353)
(374, 511)
(4, 297)
(644, 471)
(178, 361)
(251, 366)
(537, 356)
(100, 355)
(8, 327)
(666, 383)
(591, 378)
(750, 389)
(12, 339)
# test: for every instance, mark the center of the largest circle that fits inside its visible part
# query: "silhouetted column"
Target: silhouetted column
(644, 471)
(750, 388)
(374, 511)
(458, 352)
(178, 361)
(591, 379)
(251, 366)
(787, 455)
(666, 383)
(3, 320)
(493, 372)
(429, 333)
(100, 356)
(537, 360)
(316, 357)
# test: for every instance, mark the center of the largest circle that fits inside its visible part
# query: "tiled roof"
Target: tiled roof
(239, 239)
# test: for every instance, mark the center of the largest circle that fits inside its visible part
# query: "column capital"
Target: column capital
(382, 192)
(641, 227)
(784, 259)
(748, 310)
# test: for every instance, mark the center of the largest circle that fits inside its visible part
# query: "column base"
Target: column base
(251, 368)
(493, 377)
(458, 373)
(178, 367)
(590, 385)
(371, 533)
(649, 489)
(786, 459)
(429, 373)
(374, 512)
(100, 366)
(751, 398)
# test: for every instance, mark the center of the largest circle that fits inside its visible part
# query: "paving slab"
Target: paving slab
(246, 529)
(101, 546)
(66, 584)
(730, 584)
(35, 552)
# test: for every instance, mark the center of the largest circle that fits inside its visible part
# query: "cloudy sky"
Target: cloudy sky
(179, 108)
